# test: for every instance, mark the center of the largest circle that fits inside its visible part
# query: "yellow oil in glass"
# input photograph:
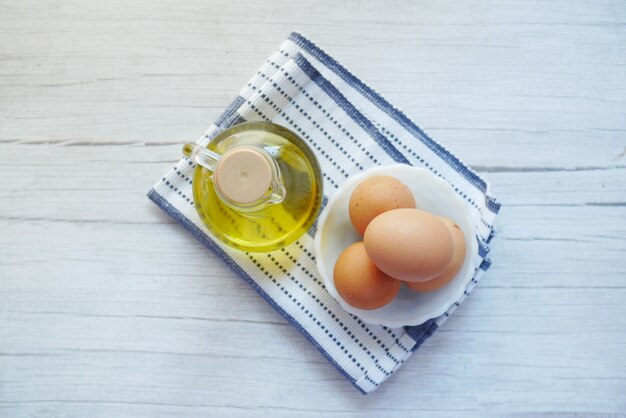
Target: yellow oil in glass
(274, 225)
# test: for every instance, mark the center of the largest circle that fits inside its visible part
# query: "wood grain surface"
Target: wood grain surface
(109, 309)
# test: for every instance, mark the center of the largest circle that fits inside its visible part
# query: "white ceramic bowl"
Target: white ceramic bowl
(335, 233)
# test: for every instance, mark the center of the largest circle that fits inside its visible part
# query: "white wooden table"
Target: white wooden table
(96, 320)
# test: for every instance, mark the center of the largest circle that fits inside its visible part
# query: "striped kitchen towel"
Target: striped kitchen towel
(350, 128)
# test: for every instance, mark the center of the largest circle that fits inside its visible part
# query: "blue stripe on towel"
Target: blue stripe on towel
(230, 116)
(342, 102)
(420, 333)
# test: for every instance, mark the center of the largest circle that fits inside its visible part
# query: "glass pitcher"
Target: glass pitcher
(257, 186)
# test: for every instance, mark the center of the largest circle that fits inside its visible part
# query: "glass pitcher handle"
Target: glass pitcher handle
(201, 156)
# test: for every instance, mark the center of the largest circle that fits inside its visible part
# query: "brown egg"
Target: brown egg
(409, 244)
(453, 268)
(376, 195)
(360, 282)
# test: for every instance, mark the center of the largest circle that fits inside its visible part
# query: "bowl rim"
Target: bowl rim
(321, 266)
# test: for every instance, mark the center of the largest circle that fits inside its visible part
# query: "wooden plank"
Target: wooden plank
(581, 239)
(109, 183)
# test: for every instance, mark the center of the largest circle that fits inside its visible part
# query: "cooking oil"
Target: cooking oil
(270, 226)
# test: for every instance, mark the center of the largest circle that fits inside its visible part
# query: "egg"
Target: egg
(409, 244)
(376, 195)
(360, 283)
(453, 268)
